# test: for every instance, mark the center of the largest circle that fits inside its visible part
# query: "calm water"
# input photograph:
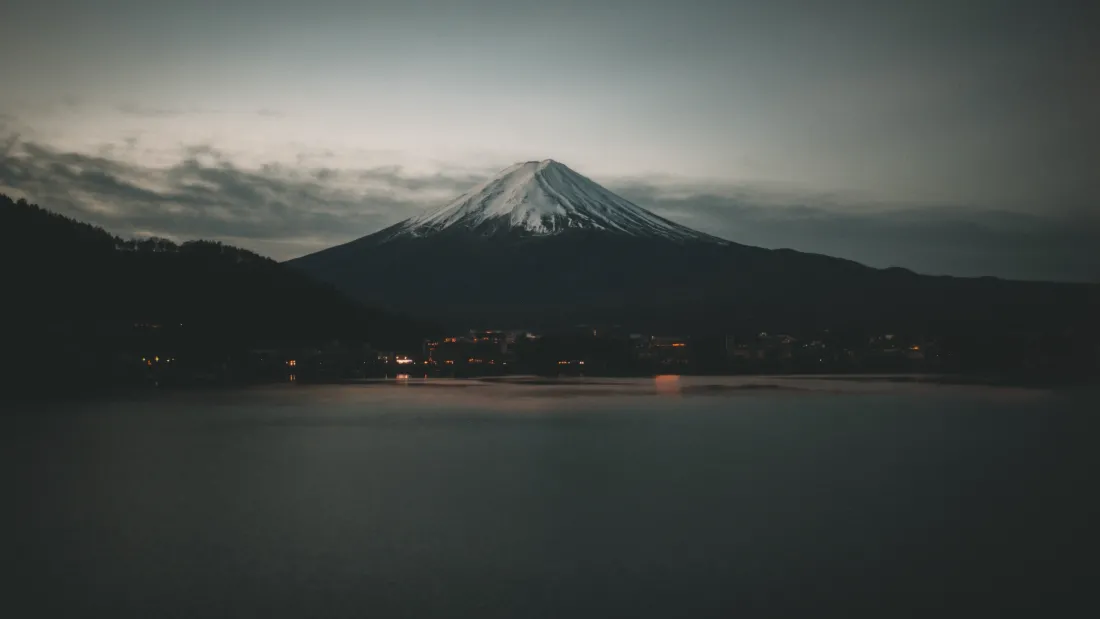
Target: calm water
(646, 498)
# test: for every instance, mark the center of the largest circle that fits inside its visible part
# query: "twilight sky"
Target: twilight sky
(947, 137)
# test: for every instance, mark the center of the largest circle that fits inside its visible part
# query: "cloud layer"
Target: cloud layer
(940, 240)
(285, 211)
(279, 211)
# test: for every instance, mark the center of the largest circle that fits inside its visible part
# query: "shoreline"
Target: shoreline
(55, 391)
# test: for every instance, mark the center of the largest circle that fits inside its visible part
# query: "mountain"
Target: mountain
(540, 198)
(70, 287)
(541, 246)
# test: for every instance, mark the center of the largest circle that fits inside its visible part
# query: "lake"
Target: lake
(658, 497)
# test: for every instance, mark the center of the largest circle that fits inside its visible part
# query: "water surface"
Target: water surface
(526, 498)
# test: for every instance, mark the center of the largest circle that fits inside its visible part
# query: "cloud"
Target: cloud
(928, 239)
(288, 210)
(285, 212)
(146, 111)
(142, 111)
(8, 145)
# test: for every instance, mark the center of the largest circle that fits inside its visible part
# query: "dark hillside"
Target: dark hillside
(72, 290)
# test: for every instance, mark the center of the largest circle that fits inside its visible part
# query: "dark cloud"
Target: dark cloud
(932, 239)
(8, 144)
(285, 211)
(202, 196)
(395, 175)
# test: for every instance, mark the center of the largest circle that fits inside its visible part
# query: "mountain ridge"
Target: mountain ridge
(539, 198)
(81, 274)
(478, 262)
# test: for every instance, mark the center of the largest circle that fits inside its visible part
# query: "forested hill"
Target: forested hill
(61, 275)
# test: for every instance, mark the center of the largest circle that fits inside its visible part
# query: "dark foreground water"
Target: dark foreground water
(647, 498)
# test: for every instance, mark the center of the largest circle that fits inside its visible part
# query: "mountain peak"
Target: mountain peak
(543, 198)
(529, 166)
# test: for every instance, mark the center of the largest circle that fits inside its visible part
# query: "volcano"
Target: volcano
(543, 198)
(541, 246)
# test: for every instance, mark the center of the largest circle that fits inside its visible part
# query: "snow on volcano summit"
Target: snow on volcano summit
(544, 198)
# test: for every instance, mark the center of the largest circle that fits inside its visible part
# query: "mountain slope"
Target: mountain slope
(539, 198)
(60, 273)
(541, 246)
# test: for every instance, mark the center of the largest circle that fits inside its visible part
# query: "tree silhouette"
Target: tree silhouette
(74, 290)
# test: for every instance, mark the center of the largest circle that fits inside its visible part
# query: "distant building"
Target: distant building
(670, 350)
(668, 342)
(738, 348)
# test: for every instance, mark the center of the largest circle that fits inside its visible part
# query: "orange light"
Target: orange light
(667, 383)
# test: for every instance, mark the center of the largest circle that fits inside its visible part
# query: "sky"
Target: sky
(947, 137)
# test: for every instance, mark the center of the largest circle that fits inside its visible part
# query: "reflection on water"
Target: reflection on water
(668, 384)
(522, 393)
(523, 497)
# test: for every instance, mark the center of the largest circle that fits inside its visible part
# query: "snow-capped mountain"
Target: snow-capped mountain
(540, 246)
(540, 198)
